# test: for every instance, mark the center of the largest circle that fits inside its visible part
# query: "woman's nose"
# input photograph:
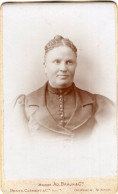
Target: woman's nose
(63, 66)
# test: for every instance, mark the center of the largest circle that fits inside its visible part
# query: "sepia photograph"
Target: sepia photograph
(59, 66)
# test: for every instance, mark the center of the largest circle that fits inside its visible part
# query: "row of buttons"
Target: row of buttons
(61, 110)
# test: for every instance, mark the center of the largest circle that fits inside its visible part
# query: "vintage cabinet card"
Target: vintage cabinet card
(59, 97)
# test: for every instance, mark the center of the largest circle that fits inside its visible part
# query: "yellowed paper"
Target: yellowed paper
(40, 155)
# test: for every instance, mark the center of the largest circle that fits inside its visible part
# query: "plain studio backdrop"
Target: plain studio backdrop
(27, 27)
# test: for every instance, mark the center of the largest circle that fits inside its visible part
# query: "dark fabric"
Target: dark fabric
(60, 103)
(39, 116)
(82, 110)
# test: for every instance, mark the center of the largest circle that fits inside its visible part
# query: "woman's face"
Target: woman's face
(60, 65)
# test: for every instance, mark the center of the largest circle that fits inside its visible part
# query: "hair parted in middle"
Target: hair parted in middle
(57, 41)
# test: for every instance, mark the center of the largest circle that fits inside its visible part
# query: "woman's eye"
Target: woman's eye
(57, 61)
(69, 62)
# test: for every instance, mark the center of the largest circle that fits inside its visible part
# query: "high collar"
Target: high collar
(37, 98)
(58, 91)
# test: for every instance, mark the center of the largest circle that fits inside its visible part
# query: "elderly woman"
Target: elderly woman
(70, 130)
(59, 106)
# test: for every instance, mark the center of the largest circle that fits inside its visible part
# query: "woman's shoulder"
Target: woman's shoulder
(32, 96)
(20, 99)
(105, 109)
(104, 102)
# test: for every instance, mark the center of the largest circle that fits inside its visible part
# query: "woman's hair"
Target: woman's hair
(60, 41)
